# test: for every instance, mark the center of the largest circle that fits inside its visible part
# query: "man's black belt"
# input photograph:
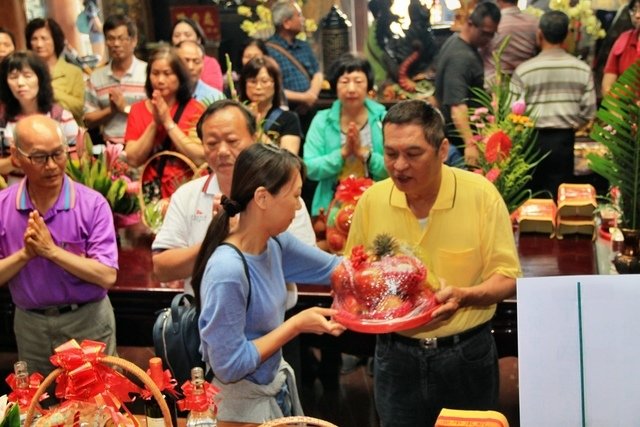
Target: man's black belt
(57, 310)
(441, 342)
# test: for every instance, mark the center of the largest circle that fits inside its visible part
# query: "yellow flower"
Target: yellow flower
(264, 13)
(310, 25)
(248, 27)
(244, 11)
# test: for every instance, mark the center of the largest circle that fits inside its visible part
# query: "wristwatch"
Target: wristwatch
(127, 109)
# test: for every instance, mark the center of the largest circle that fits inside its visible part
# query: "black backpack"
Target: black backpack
(176, 337)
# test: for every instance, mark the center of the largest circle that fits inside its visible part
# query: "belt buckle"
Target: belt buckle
(429, 343)
(51, 311)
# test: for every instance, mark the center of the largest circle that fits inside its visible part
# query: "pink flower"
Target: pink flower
(112, 154)
(493, 174)
(481, 110)
(519, 107)
(498, 147)
(491, 118)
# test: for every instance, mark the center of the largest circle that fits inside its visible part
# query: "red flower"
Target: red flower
(498, 147)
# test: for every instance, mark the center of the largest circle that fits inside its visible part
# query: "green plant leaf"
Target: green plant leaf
(617, 129)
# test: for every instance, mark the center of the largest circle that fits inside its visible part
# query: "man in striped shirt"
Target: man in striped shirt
(114, 87)
(559, 88)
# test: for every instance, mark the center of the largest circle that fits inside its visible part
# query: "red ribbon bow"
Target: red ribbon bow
(168, 385)
(24, 396)
(351, 188)
(198, 402)
(86, 379)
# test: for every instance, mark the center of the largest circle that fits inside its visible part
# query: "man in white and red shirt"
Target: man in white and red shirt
(113, 88)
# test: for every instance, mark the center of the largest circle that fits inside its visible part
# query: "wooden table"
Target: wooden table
(137, 295)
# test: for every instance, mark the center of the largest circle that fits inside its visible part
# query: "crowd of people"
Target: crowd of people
(241, 236)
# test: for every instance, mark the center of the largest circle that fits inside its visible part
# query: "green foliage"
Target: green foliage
(510, 171)
(616, 128)
(95, 173)
(12, 418)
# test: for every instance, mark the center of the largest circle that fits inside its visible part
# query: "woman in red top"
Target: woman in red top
(625, 50)
(165, 121)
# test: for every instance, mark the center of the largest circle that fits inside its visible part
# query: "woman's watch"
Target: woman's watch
(127, 109)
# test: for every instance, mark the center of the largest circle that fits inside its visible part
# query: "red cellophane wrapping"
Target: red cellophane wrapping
(382, 289)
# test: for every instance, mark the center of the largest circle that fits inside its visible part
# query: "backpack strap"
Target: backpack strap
(246, 268)
(271, 119)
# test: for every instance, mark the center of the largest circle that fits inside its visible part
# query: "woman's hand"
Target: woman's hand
(317, 320)
(160, 109)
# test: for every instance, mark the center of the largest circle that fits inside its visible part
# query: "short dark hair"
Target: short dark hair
(193, 24)
(56, 33)
(251, 70)
(118, 20)
(19, 60)
(10, 34)
(418, 112)
(222, 104)
(348, 63)
(484, 10)
(259, 43)
(166, 51)
(554, 26)
(259, 165)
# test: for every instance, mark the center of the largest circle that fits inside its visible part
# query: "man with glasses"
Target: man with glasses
(113, 88)
(58, 249)
(459, 68)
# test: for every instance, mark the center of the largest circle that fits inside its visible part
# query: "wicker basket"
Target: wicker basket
(124, 364)
(196, 171)
(297, 421)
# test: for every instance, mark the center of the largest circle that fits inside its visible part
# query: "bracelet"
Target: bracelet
(170, 127)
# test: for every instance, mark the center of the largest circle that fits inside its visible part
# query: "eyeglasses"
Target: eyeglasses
(121, 39)
(634, 11)
(42, 159)
(263, 82)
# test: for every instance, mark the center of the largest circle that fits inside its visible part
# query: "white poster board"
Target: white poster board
(579, 351)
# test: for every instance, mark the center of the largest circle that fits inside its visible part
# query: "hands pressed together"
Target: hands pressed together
(160, 110)
(353, 145)
(37, 238)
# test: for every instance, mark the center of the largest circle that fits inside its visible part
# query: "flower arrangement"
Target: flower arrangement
(107, 175)
(584, 26)
(505, 136)
(260, 25)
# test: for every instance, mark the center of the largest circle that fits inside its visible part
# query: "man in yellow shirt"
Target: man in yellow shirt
(460, 228)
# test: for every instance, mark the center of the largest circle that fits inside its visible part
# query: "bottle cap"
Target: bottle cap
(156, 372)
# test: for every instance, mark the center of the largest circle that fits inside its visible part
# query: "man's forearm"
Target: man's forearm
(87, 269)
(460, 117)
(493, 290)
(175, 264)
(98, 117)
(11, 265)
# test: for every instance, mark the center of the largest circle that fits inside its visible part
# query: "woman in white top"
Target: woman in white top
(25, 89)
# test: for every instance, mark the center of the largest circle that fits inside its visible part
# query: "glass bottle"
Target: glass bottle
(21, 373)
(204, 416)
(152, 409)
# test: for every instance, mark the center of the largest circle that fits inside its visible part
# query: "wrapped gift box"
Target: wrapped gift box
(537, 216)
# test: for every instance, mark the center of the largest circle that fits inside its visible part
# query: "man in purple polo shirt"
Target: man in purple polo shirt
(58, 249)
